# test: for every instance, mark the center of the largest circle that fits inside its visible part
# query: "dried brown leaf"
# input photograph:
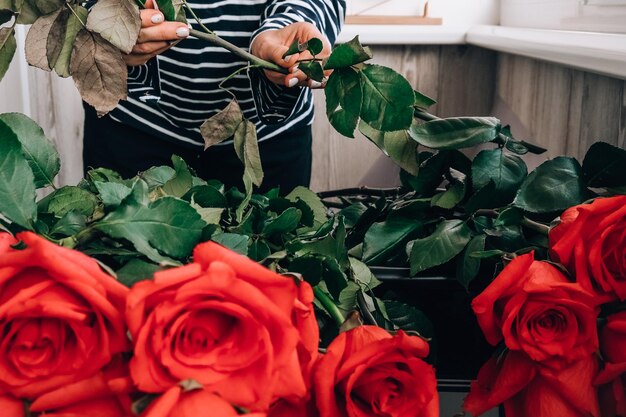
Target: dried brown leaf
(99, 71)
(117, 21)
(46, 6)
(62, 36)
(247, 149)
(222, 125)
(37, 41)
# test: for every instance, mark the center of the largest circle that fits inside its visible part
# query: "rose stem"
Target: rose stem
(328, 304)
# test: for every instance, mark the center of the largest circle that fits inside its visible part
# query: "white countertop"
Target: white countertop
(603, 53)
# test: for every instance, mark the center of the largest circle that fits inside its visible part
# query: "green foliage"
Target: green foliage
(456, 133)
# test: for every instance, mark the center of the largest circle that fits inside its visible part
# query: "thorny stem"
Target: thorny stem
(329, 305)
(195, 16)
(500, 140)
(256, 61)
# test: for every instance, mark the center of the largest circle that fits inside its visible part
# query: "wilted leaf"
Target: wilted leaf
(62, 36)
(553, 186)
(447, 241)
(8, 45)
(99, 71)
(46, 6)
(36, 44)
(17, 184)
(247, 150)
(348, 54)
(39, 151)
(117, 21)
(343, 100)
(387, 99)
(222, 125)
(456, 133)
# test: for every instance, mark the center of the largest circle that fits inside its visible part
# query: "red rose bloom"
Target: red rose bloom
(590, 241)
(535, 309)
(60, 316)
(613, 375)
(528, 389)
(225, 322)
(195, 403)
(366, 372)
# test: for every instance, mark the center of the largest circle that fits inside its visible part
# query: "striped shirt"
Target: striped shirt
(172, 94)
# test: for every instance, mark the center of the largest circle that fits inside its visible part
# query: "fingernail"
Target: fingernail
(315, 84)
(157, 18)
(288, 57)
(294, 68)
(182, 32)
(293, 82)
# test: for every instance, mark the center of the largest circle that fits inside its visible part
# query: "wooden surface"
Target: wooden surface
(392, 20)
(461, 78)
(562, 109)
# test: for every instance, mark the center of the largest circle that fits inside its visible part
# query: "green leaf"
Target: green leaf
(247, 150)
(363, 275)
(347, 298)
(511, 216)
(314, 46)
(313, 70)
(422, 101)
(402, 150)
(118, 21)
(486, 254)
(286, 222)
(554, 186)
(62, 36)
(348, 54)
(233, 241)
(343, 100)
(604, 166)
(136, 270)
(206, 196)
(294, 48)
(222, 125)
(157, 176)
(451, 197)
(329, 241)
(112, 193)
(258, 250)
(181, 183)
(210, 215)
(455, 133)
(468, 267)
(167, 227)
(447, 241)
(8, 46)
(384, 239)
(387, 99)
(36, 147)
(70, 224)
(408, 318)
(17, 184)
(430, 174)
(71, 198)
(309, 266)
(312, 200)
(505, 170)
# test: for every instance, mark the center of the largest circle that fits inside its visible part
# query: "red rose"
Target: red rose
(591, 242)
(367, 372)
(613, 375)
(528, 389)
(195, 403)
(60, 316)
(225, 322)
(535, 309)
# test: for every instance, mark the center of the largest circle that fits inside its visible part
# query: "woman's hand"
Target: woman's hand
(271, 45)
(155, 37)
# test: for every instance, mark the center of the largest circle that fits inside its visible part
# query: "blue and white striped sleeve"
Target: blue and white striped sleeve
(275, 103)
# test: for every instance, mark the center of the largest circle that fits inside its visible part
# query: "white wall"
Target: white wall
(587, 15)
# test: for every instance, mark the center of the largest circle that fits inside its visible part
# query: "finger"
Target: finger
(167, 31)
(150, 17)
(135, 59)
(150, 47)
(298, 78)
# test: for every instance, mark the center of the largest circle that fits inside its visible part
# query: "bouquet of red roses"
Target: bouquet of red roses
(554, 361)
(220, 336)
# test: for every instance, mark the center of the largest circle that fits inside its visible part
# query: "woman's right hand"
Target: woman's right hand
(155, 37)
